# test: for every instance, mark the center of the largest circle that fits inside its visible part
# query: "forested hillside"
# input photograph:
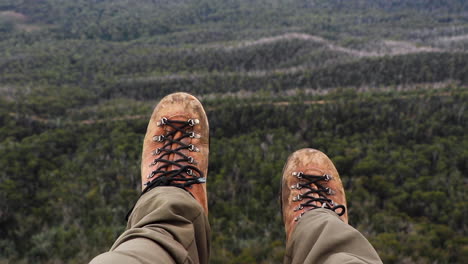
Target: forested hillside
(380, 86)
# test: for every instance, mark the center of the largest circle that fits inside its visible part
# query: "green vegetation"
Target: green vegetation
(380, 86)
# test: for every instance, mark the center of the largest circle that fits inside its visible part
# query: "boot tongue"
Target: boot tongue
(316, 172)
(177, 135)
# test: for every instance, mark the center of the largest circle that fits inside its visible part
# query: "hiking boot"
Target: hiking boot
(310, 181)
(176, 147)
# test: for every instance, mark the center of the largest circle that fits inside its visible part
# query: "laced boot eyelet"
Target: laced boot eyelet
(298, 217)
(194, 135)
(149, 176)
(193, 148)
(297, 174)
(191, 160)
(159, 138)
(189, 172)
(329, 191)
(300, 207)
(296, 186)
(327, 177)
(156, 152)
(297, 198)
(193, 122)
(162, 122)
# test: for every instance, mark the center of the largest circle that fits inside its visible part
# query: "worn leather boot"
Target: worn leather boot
(176, 147)
(310, 181)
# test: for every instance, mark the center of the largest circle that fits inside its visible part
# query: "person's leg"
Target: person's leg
(321, 237)
(169, 223)
(167, 226)
(313, 204)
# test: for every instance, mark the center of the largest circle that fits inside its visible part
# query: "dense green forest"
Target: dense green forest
(380, 86)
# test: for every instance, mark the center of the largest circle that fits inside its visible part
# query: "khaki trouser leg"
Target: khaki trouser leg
(167, 225)
(321, 237)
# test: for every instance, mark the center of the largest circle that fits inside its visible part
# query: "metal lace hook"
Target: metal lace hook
(161, 122)
(159, 138)
(156, 152)
(189, 172)
(297, 198)
(194, 135)
(193, 148)
(193, 122)
(300, 207)
(297, 174)
(296, 186)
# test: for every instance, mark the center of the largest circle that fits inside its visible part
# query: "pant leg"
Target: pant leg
(167, 225)
(321, 237)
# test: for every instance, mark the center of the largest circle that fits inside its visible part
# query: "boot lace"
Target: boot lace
(321, 190)
(184, 175)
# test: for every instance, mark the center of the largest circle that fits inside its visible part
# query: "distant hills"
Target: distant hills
(380, 86)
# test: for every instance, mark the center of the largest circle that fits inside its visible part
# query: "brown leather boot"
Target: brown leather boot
(176, 147)
(310, 181)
